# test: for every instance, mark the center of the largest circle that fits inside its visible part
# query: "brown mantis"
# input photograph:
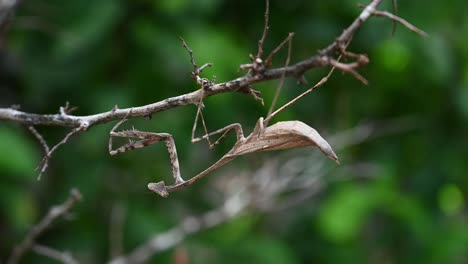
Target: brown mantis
(281, 135)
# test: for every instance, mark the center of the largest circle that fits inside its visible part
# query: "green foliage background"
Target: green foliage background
(97, 54)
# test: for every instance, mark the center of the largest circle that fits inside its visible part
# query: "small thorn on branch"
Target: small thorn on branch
(65, 110)
(206, 65)
(252, 92)
(350, 69)
(302, 80)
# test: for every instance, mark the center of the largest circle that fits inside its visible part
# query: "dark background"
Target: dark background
(96, 54)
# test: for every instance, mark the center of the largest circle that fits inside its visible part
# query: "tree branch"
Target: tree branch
(63, 257)
(54, 213)
(322, 59)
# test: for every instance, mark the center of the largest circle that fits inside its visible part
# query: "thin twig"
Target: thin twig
(400, 20)
(63, 257)
(265, 30)
(190, 52)
(116, 229)
(39, 138)
(349, 67)
(296, 70)
(42, 167)
(47, 222)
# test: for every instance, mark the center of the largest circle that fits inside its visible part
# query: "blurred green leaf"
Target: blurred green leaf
(450, 199)
(18, 156)
(393, 55)
(441, 58)
(235, 230)
(344, 213)
(265, 250)
(19, 207)
(173, 6)
(89, 29)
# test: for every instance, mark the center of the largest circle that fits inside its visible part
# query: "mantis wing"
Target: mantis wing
(286, 135)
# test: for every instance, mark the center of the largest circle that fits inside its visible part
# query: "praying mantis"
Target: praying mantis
(281, 135)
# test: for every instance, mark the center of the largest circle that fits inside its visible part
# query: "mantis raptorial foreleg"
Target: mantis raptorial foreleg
(147, 139)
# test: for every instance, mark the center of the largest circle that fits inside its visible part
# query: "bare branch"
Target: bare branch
(190, 225)
(59, 256)
(47, 222)
(190, 52)
(42, 167)
(296, 70)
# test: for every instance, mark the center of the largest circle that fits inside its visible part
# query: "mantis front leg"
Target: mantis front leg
(147, 139)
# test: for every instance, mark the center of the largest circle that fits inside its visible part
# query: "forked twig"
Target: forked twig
(53, 215)
(349, 68)
(295, 70)
(400, 20)
(395, 18)
(39, 138)
(42, 167)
